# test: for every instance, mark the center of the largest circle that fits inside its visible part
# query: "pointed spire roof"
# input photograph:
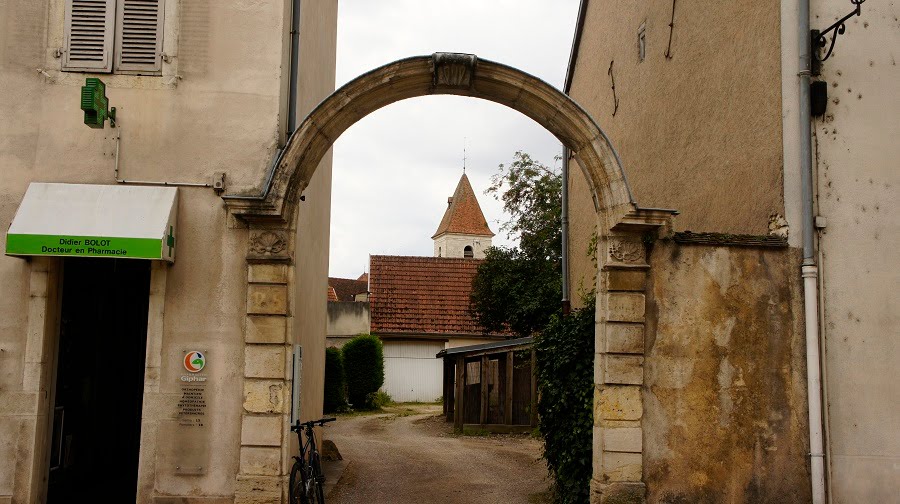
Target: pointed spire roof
(463, 215)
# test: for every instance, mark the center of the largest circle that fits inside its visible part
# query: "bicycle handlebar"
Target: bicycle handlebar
(312, 423)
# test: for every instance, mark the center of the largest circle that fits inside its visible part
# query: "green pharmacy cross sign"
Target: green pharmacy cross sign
(95, 104)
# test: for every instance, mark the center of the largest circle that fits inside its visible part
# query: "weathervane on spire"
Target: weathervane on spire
(464, 155)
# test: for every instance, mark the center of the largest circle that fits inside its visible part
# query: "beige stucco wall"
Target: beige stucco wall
(857, 183)
(688, 127)
(318, 42)
(218, 106)
(724, 376)
(348, 318)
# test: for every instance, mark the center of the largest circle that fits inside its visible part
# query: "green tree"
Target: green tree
(520, 288)
(335, 381)
(364, 368)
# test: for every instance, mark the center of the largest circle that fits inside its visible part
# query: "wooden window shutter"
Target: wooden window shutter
(89, 35)
(139, 32)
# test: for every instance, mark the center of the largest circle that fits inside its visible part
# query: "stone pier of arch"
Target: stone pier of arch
(623, 228)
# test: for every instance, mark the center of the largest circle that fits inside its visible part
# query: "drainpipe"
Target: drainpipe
(295, 66)
(566, 303)
(809, 270)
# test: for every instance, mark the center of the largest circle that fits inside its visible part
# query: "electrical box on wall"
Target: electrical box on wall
(818, 97)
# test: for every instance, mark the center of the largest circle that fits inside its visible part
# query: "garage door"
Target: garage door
(411, 372)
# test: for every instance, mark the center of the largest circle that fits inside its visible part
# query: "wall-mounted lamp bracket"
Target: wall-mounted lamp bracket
(819, 39)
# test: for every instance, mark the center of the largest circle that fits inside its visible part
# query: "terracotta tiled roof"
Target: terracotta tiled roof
(346, 289)
(463, 213)
(332, 296)
(422, 295)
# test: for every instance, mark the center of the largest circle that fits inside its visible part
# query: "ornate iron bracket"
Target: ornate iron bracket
(820, 39)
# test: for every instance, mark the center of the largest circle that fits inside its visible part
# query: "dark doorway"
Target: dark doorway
(100, 380)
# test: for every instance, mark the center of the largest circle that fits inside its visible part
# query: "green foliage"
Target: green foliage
(335, 381)
(378, 400)
(565, 377)
(520, 288)
(512, 291)
(364, 368)
(532, 194)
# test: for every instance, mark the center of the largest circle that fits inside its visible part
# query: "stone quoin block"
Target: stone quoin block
(263, 396)
(256, 489)
(618, 402)
(625, 439)
(621, 492)
(625, 307)
(623, 369)
(623, 338)
(624, 279)
(264, 361)
(617, 466)
(267, 299)
(263, 329)
(261, 430)
(260, 460)
(268, 273)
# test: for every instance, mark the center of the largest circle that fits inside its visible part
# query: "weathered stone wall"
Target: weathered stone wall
(724, 404)
(689, 126)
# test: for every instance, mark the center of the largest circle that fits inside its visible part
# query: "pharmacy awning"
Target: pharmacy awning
(134, 222)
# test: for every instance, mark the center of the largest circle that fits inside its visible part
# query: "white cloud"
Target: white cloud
(394, 169)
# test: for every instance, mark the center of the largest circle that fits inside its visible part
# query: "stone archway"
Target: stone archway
(621, 223)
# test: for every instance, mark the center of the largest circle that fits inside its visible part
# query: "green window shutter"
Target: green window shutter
(89, 35)
(139, 33)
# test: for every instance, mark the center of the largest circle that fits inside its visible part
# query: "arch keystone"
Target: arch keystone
(453, 70)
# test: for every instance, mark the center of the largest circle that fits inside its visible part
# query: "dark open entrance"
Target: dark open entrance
(99, 380)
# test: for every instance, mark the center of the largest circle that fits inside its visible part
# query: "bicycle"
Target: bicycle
(307, 478)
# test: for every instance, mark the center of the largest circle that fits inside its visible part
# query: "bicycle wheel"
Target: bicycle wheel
(318, 481)
(295, 484)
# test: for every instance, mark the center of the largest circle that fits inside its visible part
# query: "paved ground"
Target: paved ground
(410, 456)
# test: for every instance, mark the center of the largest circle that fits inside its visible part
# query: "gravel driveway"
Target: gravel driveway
(410, 455)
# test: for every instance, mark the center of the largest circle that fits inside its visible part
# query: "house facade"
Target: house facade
(420, 306)
(155, 320)
(781, 252)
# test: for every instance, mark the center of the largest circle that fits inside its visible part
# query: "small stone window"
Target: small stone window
(642, 41)
(468, 252)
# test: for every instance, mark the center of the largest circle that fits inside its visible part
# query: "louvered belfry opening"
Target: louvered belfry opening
(114, 35)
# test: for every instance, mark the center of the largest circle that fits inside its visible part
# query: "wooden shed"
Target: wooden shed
(491, 387)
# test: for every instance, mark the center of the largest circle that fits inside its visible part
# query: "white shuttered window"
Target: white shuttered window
(114, 35)
(89, 35)
(139, 35)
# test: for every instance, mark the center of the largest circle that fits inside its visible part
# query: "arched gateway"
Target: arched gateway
(621, 226)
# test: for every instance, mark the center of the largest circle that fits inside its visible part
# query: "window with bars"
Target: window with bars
(113, 36)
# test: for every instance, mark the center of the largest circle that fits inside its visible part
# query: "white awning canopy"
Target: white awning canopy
(135, 222)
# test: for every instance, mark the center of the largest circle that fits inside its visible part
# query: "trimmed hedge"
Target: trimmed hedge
(364, 368)
(335, 381)
(564, 351)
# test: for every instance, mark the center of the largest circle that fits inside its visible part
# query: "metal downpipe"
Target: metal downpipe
(810, 272)
(566, 302)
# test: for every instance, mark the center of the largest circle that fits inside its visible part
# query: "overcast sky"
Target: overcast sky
(394, 169)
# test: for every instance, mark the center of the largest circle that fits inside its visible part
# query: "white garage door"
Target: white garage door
(411, 372)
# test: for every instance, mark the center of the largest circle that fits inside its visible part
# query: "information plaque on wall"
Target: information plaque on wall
(192, 405)
(191, 432)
